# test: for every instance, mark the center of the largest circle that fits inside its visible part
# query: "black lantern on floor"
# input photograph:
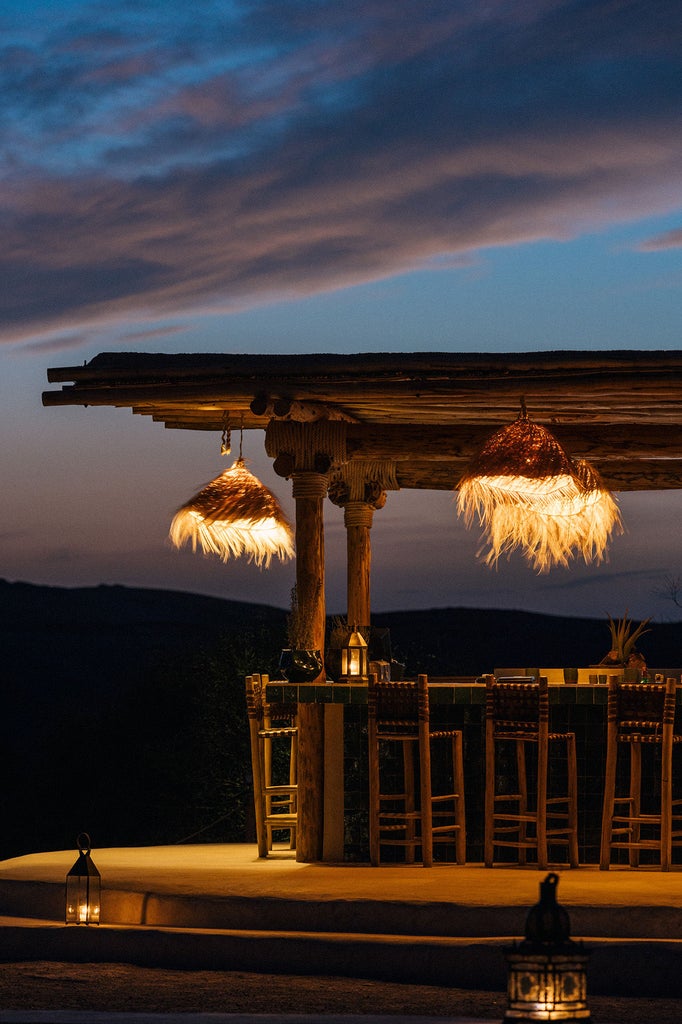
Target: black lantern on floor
(547, 971)
(83, 887)
(354, 658)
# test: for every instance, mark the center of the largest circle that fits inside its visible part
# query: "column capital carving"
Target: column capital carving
(305, 446)
(362, 481)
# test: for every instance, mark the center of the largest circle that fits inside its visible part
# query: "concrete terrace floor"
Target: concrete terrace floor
(220, 907)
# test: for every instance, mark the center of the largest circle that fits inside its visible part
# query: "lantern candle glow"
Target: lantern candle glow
(547, 971)
(83, 887)
(354, 658)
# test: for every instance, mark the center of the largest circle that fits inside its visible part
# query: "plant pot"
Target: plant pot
(300, 666)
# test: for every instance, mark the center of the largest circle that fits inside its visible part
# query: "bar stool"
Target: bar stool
(274, 749)
(399, 732)
(517, 723)
(640, 716)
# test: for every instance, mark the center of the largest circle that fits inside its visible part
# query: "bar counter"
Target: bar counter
(455, 701)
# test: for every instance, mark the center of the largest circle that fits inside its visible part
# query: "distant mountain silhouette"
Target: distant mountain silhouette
(470, 641)
(98, 637)
(60, 637)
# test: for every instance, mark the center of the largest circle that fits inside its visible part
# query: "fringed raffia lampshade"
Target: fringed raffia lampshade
(234, 515)
(523, 464)
(529, 495)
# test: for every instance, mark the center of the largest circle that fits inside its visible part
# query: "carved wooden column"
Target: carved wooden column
(309, 490)
(359, 488)
(304, 452)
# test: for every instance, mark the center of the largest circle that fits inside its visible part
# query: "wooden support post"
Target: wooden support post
(359, 489)
(309, 490)
(358, 520)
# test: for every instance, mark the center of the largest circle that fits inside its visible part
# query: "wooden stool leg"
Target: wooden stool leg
(258, 799)
(373, 784)
(666, 800)
(523, 791)
(489, 808)
(635, 804)
(410, 799)
(572, 791)
(460, 807)
(541, 815)
(425, 793)
(608, 805)
(293, 779)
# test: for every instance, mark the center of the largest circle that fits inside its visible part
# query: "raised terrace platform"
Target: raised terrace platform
(221, 907)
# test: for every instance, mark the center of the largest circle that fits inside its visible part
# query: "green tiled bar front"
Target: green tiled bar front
(580, 708)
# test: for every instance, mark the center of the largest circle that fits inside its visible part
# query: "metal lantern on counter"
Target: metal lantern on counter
(83, 886)
(548, 970)
(355, 658)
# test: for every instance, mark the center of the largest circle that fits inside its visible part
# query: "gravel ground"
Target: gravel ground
(125, 988)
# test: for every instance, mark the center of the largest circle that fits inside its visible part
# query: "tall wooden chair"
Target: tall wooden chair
(641, 717)
(407, 813)
(523, 817)
(274, 750)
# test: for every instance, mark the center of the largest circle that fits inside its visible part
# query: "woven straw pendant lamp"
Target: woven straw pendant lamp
(529, 495)
(234, 515)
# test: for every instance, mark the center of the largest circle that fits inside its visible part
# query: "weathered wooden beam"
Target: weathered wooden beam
(200, 423)
(462, 441)
(191, 425)
(223, 393)
(121, 366)
(443, 443)
(632, 397)
(618, 475)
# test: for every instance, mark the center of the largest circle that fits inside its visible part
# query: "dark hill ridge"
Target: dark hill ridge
(470, 641)
(62, 637)
(107, 604)
(59, 634)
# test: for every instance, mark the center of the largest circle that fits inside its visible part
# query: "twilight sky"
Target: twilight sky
(372, 175)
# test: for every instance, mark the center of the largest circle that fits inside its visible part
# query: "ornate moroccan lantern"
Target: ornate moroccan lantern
(548, 970)
(354, 658)
(83, 887)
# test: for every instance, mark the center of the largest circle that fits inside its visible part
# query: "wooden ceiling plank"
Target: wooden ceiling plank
(620, 410)
(140, 365)
(633, 475)
(424, 442)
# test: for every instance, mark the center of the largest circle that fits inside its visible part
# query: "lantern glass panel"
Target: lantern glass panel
(83, 887)
(547, 987)
(354, 661)
(82, 899)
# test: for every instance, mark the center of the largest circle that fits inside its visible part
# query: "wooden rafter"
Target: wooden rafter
(429, 412)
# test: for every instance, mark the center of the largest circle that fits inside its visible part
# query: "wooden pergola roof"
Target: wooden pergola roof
(428, 412)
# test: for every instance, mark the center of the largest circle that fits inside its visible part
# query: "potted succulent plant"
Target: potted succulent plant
(624, 636)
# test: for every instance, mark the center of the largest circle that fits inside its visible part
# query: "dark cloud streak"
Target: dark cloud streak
(340, 144)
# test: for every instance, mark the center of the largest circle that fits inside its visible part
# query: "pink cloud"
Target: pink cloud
(668, 240)
(346, 145)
